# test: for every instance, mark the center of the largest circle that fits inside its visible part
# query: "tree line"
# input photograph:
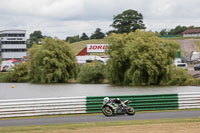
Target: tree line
(176, 31)
(125, 22)
(137, 57)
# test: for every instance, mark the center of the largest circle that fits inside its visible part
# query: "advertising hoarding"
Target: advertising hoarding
(96, 48)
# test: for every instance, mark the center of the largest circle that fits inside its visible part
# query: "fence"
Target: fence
(139, 102)
(42, 106)
(92, 104)
(189, 100)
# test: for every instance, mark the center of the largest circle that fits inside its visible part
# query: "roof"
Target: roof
(12, 31)
(191, 31)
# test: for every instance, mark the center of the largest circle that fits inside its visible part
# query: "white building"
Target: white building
(195, 56)
(191, 33)
(89, 58)
(12, 44)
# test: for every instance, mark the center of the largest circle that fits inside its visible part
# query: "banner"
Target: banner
(96, 48)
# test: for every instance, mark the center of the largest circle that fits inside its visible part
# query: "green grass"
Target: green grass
(180, 38)
(74, 126)
(4, 77)
(197, 45)
(78, 46)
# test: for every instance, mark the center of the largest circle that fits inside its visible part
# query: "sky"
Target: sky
(63, 18)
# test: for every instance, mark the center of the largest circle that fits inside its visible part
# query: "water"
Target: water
(27, 90)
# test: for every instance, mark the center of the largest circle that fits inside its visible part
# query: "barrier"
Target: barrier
(92, 104)
(139, 102)
(42, 106)
(189, 100)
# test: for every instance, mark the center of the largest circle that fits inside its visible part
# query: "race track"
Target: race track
(99, 118)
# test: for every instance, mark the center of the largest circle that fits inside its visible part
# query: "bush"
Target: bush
(4, 77)
(92, 73)
(197, 82)
(20, 73)
(139, 58)
(52, 62)
(180, 76)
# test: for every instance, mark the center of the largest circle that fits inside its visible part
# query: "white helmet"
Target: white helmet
(106, 99)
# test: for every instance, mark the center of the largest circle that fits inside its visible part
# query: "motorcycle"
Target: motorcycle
(113, 107)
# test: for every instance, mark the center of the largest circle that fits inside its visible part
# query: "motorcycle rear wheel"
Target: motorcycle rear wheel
(130, 111)
(108, 111)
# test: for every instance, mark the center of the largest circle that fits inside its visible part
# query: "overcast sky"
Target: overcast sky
(62, 18)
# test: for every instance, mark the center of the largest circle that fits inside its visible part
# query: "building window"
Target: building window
(13, 50)
(13, 42)
(12, 35)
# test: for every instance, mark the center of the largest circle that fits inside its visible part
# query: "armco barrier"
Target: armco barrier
(42, 106)
(189, 100)
(92, 104)
(139, 102)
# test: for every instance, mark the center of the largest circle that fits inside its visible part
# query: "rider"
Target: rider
(116, 100)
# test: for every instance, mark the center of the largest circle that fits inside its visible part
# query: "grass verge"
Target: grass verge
(4, 77)
(180, 38)
(102, 125)
(197, 45)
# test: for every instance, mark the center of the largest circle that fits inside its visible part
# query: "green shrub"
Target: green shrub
(92, 73)
(180, 76)
(197, 82)
(4, 76)
(52, 62)
(20, 73)
(139, 58)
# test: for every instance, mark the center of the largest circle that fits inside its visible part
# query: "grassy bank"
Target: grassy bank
(161, 126)
(4, 77)
(180, 38)
(78, 46)
(197, 45)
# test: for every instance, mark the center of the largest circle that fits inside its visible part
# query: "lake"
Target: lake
(28, 90)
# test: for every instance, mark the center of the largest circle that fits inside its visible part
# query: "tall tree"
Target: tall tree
(52, 62)
(128, 21)
(177, 30)
(35, 37)
(164, 32)
(84, 37)
(139, 58)
(97, 34)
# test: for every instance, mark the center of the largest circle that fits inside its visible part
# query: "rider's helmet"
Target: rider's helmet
(106, 99)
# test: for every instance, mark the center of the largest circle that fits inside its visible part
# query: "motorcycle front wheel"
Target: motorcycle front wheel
(107, 111)
(130, 111)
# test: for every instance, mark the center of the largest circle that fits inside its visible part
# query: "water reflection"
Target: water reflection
(27, 90)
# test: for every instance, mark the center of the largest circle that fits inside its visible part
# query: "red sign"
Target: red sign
(96, 48)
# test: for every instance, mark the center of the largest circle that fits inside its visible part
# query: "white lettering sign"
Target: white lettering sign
(96, 48)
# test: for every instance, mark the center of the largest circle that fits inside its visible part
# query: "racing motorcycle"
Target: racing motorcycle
(113, 107)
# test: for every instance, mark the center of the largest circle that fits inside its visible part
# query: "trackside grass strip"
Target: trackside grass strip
(83, 126)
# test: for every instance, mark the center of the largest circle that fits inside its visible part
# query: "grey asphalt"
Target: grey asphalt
(99, 118)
